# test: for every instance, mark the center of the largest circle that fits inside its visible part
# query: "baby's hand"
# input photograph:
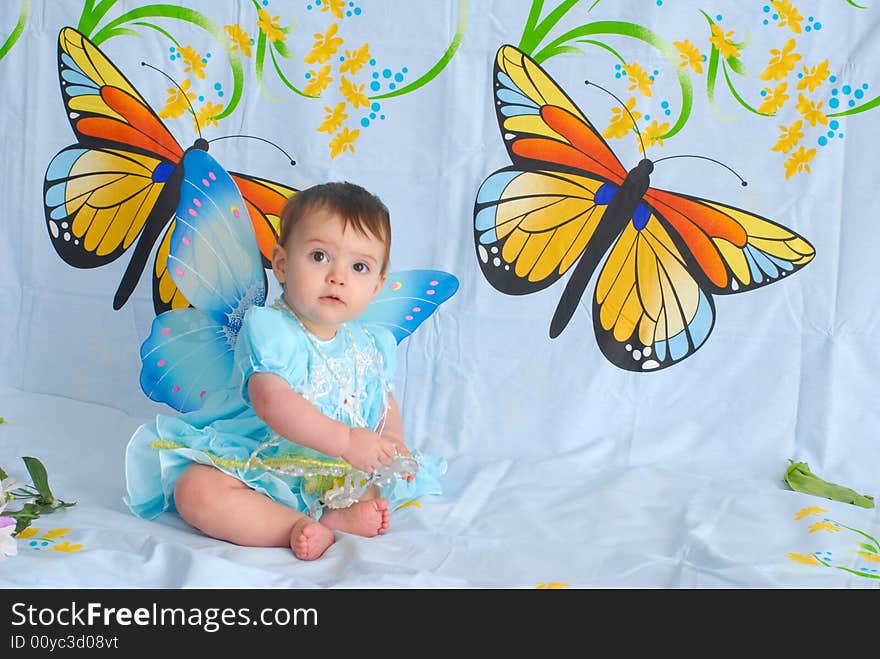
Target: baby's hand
(367, 450)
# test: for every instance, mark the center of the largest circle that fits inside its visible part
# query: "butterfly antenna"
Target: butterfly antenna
(183, 93)
(254, 137)
(623, 105)
(741, 179)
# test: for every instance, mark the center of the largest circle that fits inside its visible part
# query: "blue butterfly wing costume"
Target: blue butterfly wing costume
(197, 360)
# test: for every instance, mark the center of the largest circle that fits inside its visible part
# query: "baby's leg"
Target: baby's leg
(225, 508)
(368, 517)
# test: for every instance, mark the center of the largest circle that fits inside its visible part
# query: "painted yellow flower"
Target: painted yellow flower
(774, 99)
(803, 158)
(343, 141)
(353, 93)
(414, 503)
(325, 46)
(788, 15)
(355, 60)
(652, 132)
(178, 100)
(621, 124)
(690, 55)
(57, 533)
(723, 42)
(869, 556)
(806, 559)
(334, 6)
(811, 111)
(66, 546)
(814, 77)
(270, 26)
(638, 78)
(207, 115)
(334, 118)
(193, 62)
(318, 82)
(797, 162)
(781, 63)
(29, 532)
(788, 139)
(552, 585)
(809, 510)
(240, 39)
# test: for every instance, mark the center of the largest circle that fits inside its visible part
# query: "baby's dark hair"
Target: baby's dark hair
(354, 205)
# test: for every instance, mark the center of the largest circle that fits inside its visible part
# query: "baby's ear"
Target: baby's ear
(381, 283)
(279, 263)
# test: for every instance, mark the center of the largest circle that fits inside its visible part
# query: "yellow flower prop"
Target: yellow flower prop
(318, 82)
(356, 60)
(788, 15)
(325, 46)
(333, 119)
(178, 100)
(814, 77)
(67, 547)
(193, 62)
(811, 111)
(334, 6)
(723, 42)
(552, 585)
(774, 99)
(809, 510)
(798, 163)
(806, 559)
(270, 26)
(353, 93)
(343, 141)
(621, 124)
(653, 131)
(240, 39)
(823, 526)
(207, 115)
(638, 79)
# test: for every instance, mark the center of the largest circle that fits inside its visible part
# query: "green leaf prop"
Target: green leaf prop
(801, 479)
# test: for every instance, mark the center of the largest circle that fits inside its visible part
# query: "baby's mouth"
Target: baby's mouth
(332, 299)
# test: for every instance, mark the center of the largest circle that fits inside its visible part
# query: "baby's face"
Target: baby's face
(331, 274)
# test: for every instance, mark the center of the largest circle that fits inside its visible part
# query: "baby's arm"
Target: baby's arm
(394, 429)
(296, 419)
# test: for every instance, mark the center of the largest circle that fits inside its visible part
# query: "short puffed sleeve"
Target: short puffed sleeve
(269, 343)
(387, 345)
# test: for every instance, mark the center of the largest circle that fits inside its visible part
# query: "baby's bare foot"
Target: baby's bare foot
(366, 518)
(309, 540)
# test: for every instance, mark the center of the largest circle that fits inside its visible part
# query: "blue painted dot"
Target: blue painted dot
(817, 25)
(201, 98)
(357, 11)
(647, 117)
(800, 75)
(375, 86)
(656, 72)
(375, 107)
(775, 17)
(204, 61)
(718, 17)
(763, 92)
(391, 85)
(207, 54)
(617, 67)
(846, 89)
(398, 77)
(834, 102)
(852, 103)
(659, 3)
(33, 543)
(834, 92)
(372, 115)
(834, 124)
(308, 75)
(810, 19)
(220, 94)
(830, 133)
(317, 2)
(342, 58)
(624, 72)
(807, 28)
(832, 79)
(668, 112)
(217, 85)
(351, 4)
(651, 78)
(766, 22)
(766, 9)
(365, 122)
(840, 134)
(171, 49)
(858, 93)
(373, 62)
(865, 85)
(386, 73)
(382, 116)
(406, 70)
(171, 58)
(664, 104)
(348, 13)
(266, 2)
(375, 75)
(309, 7)
(45, 544)
(616, 75)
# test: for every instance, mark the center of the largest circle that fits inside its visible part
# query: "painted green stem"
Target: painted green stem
(737, 96)
(18, 29)
(284, 79)
(531, 22)
(435, 70)
(534, 37)
(870, 105)
(92, 15)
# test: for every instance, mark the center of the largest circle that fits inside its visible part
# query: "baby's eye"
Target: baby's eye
(319, 256)
(361, 267)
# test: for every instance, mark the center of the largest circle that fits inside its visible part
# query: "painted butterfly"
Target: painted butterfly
(216, 263)
(121, 181)
(567, 200)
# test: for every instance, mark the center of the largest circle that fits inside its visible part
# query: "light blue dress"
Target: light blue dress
(227, 434)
